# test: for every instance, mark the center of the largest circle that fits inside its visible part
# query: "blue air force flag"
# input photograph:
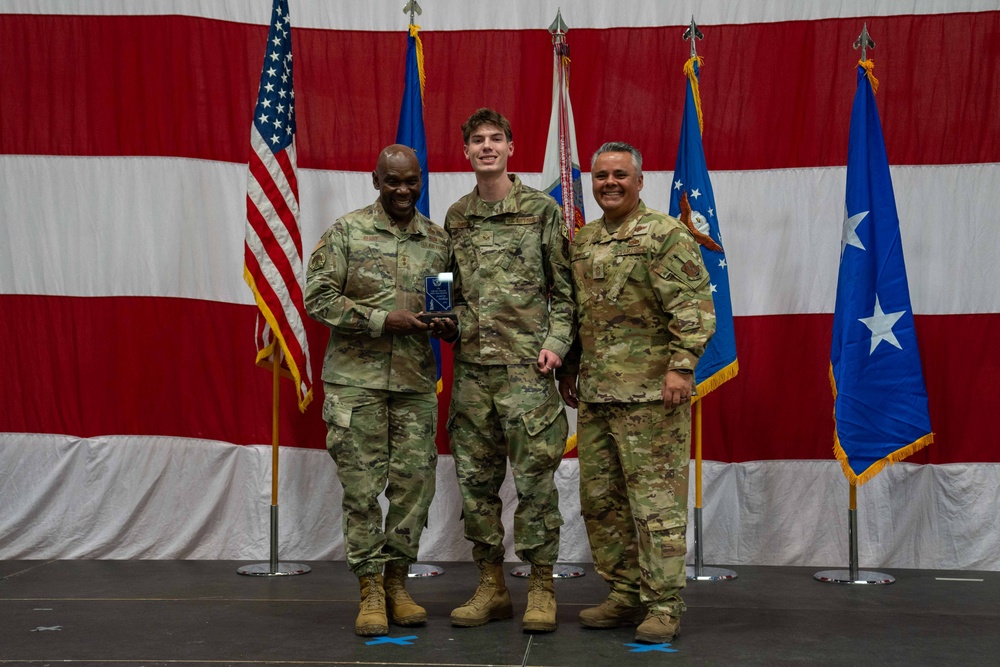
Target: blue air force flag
(879, 394)
(693, 202)
(410, 132)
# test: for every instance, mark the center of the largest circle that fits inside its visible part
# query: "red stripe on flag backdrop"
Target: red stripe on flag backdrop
(138, 85)
(178, 367)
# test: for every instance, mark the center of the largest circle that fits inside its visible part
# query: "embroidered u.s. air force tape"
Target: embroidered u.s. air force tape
(629, 250)
(522, 220)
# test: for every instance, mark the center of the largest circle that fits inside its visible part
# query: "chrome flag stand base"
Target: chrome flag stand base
(421, 570)
(709, 574)
(274, 568)
(558, 571)
(853, 575)
(859, 577)
(698, 571)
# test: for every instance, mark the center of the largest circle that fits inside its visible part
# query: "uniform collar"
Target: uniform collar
(417, 225)
(480, 209)
(632, 225)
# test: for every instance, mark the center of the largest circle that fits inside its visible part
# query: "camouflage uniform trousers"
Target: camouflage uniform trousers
(491, 404)
(633, 492)
(382, 440)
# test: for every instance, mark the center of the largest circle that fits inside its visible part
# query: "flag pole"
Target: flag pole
(412, 8)
(269, 224)
(699, 572)
(560, 50)
(273, 567)
(854, 575)
(275, 397)
(699, 566)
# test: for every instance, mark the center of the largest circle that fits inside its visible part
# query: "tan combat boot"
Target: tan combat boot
(658, 628)
(491, 600)
(611, 614)
(401, 607)
(541, 613)
(371, 620)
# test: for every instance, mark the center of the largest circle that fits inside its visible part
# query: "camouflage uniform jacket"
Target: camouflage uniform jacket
(363, 267)
(509, 263)
(644, 306)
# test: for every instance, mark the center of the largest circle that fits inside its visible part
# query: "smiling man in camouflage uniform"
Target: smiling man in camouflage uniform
(366, 283)
(645, 312)
(515, 306)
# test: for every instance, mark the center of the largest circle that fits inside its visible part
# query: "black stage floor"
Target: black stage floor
(177, 613)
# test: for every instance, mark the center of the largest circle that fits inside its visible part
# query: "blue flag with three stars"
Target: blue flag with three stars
(693, 202)
(880, 401)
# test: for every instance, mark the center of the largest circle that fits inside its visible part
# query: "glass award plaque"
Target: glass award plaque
(437, 298)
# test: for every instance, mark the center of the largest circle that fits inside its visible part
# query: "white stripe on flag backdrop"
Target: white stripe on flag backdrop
(123, 152)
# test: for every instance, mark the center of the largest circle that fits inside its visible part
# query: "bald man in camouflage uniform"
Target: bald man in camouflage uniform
(515, 307)
(366, 283)
(645, 312)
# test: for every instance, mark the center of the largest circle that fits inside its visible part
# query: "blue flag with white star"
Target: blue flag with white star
(693, 202)
(880, 401)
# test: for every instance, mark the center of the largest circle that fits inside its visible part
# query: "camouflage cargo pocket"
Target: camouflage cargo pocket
(672, 536)
(538, 419)
(336, 413)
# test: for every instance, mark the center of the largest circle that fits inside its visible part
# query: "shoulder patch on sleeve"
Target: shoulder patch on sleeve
(684, 265)
(318, 259)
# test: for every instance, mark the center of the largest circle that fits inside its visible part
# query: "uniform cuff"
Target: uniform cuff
(683, 361)
(376, 322)
(555, 345)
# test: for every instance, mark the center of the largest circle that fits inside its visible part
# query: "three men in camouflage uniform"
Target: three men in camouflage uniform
(514, 302)
(645, 315)
(366, 283)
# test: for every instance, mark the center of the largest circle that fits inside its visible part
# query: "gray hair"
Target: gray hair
(620, 147)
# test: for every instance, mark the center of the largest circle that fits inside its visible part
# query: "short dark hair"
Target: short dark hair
(620, 147)
(482, 117)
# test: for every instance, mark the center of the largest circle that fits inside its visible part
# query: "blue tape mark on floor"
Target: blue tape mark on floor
(646, 648)
(398, 641)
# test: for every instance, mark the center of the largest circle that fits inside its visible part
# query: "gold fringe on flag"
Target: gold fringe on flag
(414, 29)
(869, 66)
(570, 444)
(693, 78)
(266, 353)
(877, 467)
(722, 375)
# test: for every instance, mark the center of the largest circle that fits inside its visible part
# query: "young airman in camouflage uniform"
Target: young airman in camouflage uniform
(645, 314)
(515, 307)
(366, 283)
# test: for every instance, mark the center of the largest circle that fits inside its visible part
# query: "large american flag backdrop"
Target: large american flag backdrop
(123, 162)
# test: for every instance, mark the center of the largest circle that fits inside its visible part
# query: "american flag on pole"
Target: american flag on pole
(273, 254)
